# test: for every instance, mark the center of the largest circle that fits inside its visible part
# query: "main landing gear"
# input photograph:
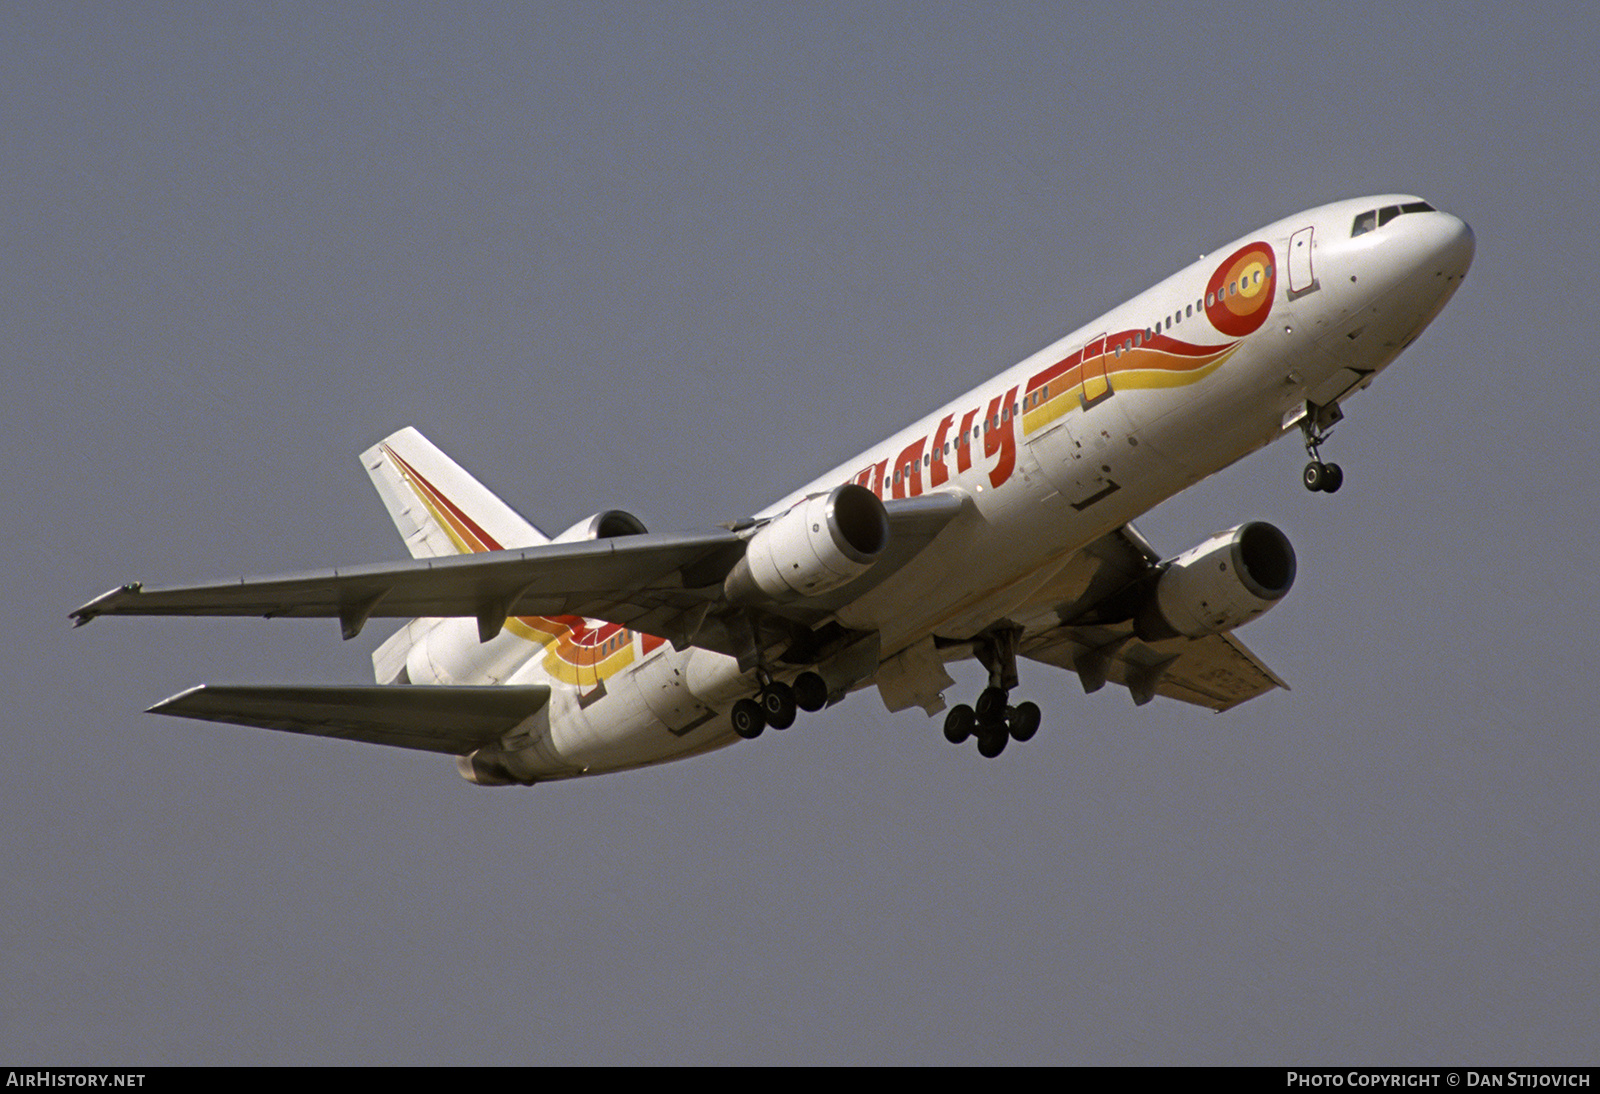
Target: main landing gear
(1316, 425)
(992, 721)
(777, 703)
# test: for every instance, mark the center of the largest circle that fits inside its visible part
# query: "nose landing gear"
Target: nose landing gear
(1316, 425)
(1326, 477)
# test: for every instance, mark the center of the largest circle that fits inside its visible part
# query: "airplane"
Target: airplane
(997, 527)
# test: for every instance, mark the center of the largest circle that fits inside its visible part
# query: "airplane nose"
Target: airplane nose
(1456, 244)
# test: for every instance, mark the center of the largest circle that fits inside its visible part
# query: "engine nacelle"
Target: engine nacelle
(606, 525)
(818, 545)
(489, 767)
(1224, 582)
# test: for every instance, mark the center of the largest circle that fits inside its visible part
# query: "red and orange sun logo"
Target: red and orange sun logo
(1239, 295)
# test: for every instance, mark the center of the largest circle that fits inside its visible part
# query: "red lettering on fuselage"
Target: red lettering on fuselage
(873, 478)
(904, 479)
(964, 453)
(1000, 437)
(908, 469)
(937, 473)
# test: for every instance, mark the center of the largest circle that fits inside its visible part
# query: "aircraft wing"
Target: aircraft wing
(452, 720)
(666, 585)
(1216, 671)
(1081, 625)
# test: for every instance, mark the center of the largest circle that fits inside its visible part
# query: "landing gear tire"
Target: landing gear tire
(747, 719)
(991, 704)
(958, 724)
(811, 692)
(1023, 721)
(991, 742)
(1324, 477)
(778, 705)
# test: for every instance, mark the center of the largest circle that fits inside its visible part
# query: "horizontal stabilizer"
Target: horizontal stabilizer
(452, 720)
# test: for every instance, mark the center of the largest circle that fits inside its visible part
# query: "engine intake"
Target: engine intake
(820, 544)
(1223, 583)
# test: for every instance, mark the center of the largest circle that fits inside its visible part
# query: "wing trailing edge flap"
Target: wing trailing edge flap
(452, 720)
(1216, 671)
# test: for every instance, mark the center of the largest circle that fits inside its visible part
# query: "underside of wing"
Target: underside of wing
(1215, 671)
(1082, 621)
(452, 720)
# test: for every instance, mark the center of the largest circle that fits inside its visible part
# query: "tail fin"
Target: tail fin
(439, 508)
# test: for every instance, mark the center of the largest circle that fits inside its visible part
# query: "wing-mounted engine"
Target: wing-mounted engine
(820, 544)
(1224, 582)
(606, 525)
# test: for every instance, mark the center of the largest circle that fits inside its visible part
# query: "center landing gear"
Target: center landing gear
(1316, 425)
(993, 722)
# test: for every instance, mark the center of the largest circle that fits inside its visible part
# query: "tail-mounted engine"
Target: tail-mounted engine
(818, 545)
(1224, 582)
(606, 525)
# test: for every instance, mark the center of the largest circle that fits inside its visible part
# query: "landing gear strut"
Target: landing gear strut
(1316, 425)
(993, 722)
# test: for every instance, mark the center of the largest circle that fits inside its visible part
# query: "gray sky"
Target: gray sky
(680, 260)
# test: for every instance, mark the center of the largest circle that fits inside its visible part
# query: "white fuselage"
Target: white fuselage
(1082, 437)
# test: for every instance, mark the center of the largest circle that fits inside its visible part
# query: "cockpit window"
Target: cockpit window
(1373, 219)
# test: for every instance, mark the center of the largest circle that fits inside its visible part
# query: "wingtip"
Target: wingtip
(171, 701)
(103, 603)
